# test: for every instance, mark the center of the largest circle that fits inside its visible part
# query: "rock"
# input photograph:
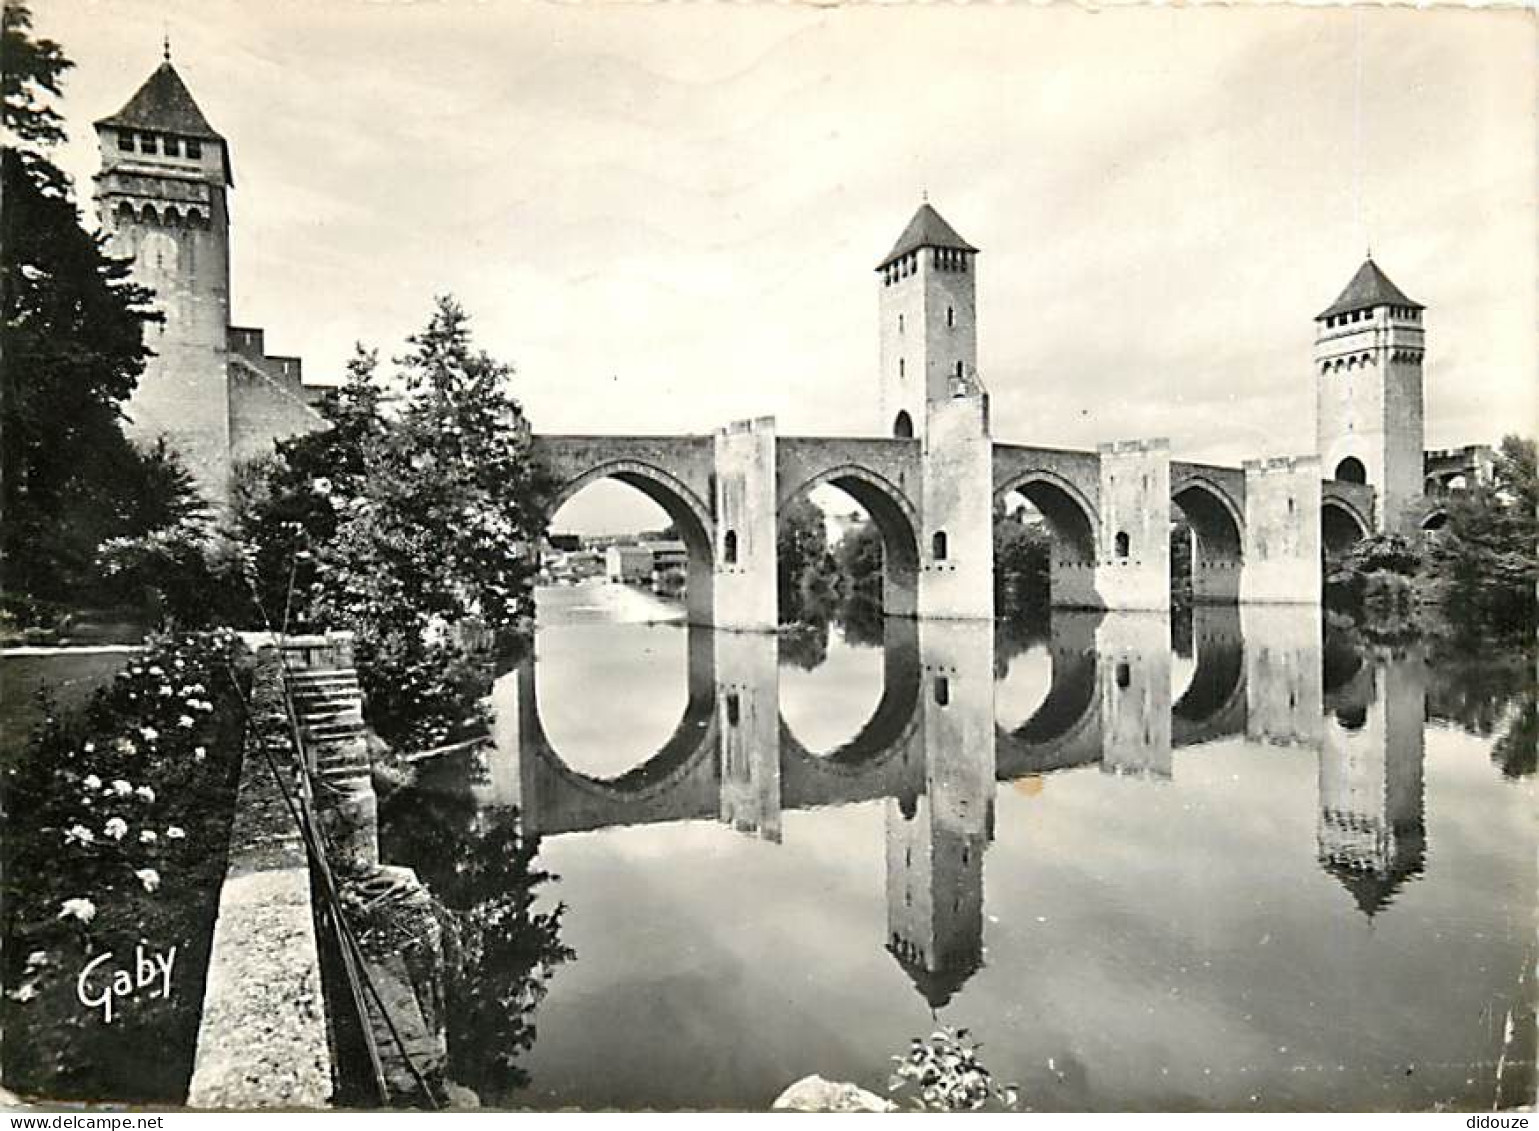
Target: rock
(813, 1093)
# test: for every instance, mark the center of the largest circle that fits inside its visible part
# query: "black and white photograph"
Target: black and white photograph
(740, 557)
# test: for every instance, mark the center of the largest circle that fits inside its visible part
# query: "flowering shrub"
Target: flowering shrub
(942, 1072)
(117, 827)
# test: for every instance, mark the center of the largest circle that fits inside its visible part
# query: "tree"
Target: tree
(406, 523)
(1487, 555)
(801, 556)
(32, 71)
(443, 522)
(481, 869)
(291, 504)
(1022, 561)
(859, 556)
(71, 333)
(1181, 554)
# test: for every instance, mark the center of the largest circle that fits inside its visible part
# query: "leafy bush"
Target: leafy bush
(942, 1072)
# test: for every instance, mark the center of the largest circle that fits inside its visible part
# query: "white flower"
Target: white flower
(199, 753)
(157, 670)
(79, 833)
(176, 832)
(82, 909)
(165, 692)
(116, 828)
(185, 722)
(178, 663)
(121, 787)
(205, 705)
(126, 746)
(145, 793)
(92, 782)
(24, 993)
(147, 837)
(89, 748)
(37, 958)
(149, 878)
(149, 734)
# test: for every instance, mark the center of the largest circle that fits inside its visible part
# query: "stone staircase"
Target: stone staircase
(322, 686)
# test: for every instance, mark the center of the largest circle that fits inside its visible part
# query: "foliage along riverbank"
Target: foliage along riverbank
(117, 826)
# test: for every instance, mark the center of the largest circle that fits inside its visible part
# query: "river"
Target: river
(1259, 868)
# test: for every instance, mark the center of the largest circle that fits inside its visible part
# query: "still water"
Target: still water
(1241, 865)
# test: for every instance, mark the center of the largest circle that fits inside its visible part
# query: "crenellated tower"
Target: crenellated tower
(161, 198)
(1369, 411)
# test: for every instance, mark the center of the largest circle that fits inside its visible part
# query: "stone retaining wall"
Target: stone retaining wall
(262, 1042)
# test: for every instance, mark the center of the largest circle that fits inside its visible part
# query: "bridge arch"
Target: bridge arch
(689, 513)
(1217, 524)
(1213, 702)
(679, 780)
(1342, 526)
(1072, 520)
(891, 723)
(896, 520)
(1063, 728)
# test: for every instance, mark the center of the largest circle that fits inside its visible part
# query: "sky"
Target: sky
(666, 217)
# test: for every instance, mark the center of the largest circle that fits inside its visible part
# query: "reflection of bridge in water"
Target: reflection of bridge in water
(934, 750)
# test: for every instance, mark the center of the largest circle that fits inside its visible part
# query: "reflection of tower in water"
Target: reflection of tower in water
(1282, 674)
(748, 722)
(1134, 676)
(1371, 832)
(936, 840)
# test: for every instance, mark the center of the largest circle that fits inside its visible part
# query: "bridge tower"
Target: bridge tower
(931, 392)
(1369, 414)
(929, 321)
(161, 198)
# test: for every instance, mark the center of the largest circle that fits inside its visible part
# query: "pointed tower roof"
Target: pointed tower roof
(1370, 287)
(937, 987)
(164, 103)
(1373, 891)
(927, 229)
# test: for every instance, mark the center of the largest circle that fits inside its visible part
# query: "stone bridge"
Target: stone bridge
(1258, 530)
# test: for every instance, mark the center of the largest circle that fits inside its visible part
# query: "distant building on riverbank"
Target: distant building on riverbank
(644, 561)
(627, 563)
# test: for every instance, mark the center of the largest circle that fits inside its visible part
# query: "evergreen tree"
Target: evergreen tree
(71, 334)
(402, 522)
(444, 522)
